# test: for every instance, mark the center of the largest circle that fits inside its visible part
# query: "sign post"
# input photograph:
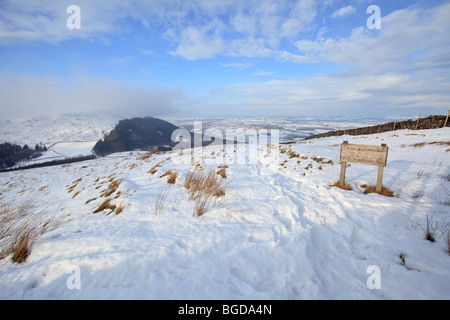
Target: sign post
(371, 155)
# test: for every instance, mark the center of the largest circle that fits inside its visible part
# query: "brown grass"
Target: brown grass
(155, 168)
(292, 154)
(74, 184)
(439, 143)
(119, 209)
(134, 165)
(385, 191)
(148, 155)
(111, 188)
(161, 202)
(222, 172)
(321, 160)
(76, 193)
(21, 226)
(204, 188)
(90, 200)
(106, 205)
(318, 159)
(346, 186)
(172, 176)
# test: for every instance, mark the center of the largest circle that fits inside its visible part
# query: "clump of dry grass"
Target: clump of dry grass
(76, 193)
(222, 171)
(402, 257)
(346, 186)
(431, 228)
(385, 191)
(161, 199)
(74, 184)
(172, 176)
(439, 143)
(321, 160)
(148, 155)
(317, 159)
(204, 188)
(114, 184)
(292, 154)
(119, 209)
(107, 205)
(90, 200)
(21, 226)
(155, 168)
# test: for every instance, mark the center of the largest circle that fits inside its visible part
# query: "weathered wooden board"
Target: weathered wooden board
(358, 153)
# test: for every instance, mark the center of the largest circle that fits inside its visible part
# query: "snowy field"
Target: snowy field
(279, 232)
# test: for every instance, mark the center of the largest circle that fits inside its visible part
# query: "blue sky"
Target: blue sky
(225, 58)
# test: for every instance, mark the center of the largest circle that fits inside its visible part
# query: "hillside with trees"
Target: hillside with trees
(11, 154)
(136, 134)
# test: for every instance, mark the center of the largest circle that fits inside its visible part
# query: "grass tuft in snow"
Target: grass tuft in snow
(344, 187)
(432, 226)
(148, 155)
(155, 168)
(172, 176)
(21, 226)
(111, 188)
(106, 205)
(402, 257)
(222, 172)
(204, 188)
(385, 191)
(161, 199)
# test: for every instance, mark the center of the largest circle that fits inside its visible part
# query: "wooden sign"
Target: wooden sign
(371, 155)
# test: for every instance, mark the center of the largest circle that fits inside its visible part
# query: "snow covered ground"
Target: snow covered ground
(65, 136)
(50, 130)
(280, 231)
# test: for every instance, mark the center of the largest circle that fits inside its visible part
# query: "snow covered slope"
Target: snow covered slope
(66, 135)
(280, 231)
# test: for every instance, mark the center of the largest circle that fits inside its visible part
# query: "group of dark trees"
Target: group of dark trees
(50, 163)
(136, 134)
(10, 154)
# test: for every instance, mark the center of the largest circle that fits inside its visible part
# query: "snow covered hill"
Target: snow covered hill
(66, 135)
(279, 232)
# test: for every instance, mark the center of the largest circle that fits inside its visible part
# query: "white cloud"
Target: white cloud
(410, 39)
(198, 43)
(333, 95)
(344, 12)
(303, 13)
(236, 66)
(197, 29)
(30, 96)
